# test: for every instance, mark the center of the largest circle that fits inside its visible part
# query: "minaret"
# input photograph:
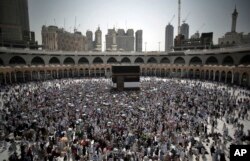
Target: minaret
(234, 19)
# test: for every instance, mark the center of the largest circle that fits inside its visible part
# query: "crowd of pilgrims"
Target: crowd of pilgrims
(84, 119)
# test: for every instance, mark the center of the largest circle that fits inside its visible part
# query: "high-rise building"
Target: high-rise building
(138, 40)
(98, 40)
(54, 38)
(169, 37)
(185, 30)
(120, 40)
(14, 24)
(89, 41)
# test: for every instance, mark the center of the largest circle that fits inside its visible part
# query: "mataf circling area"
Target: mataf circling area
(83, 119)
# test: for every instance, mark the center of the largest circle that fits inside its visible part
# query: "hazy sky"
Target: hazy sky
(151, 16)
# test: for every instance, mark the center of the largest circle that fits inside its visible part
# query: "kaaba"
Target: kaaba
(125, 77)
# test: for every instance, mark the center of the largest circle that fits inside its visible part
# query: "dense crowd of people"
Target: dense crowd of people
(83, 119)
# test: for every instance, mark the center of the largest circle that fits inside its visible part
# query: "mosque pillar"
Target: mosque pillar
(226, 77)
(45, 74)
(31, 76)
(219, 76)
(209, 74)
(214, 76)
(232, 81)
(5, 78)
(248, 81)
(10, 79)
(23, 76)
(38, 75)
(15, 77)
(240, 79)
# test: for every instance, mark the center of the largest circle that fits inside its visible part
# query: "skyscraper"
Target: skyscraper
(120, 40)
(185, 30)
(14, 24)
(54, 38)
(138, 40)
(89, 42)
(98, 39)
(169, 36)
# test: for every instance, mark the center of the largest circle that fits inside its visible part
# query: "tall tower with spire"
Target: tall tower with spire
(234, 20)
(98, 39)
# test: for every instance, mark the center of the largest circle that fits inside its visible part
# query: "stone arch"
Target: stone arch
(139, 60)
(236, 78)
(17, 60)
(86, 72)
(179, 60)
(97, 60)
(152, 60)
(197, 74)
(212, 61)
(1, 62)
(245, 60)
(37, 61)
(206, 74)
(217, 75)
(125, 60)
(163, 73)
(191, 73)
(1, 78)
(54, 60)
(68, 60)
(228, 60)
(83, 60)
(81, 72)
(158, 72)
(195, 61)
(229, 77)
(244, 79)
(111, 60)
(223, 76)
(211, 75)
(178, 72)
(165, 60)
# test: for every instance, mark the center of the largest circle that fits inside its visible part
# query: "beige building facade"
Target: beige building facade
(54, 38)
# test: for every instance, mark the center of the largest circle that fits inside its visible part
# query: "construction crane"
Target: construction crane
(171, 19)
(201, 27)
(185, 19)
